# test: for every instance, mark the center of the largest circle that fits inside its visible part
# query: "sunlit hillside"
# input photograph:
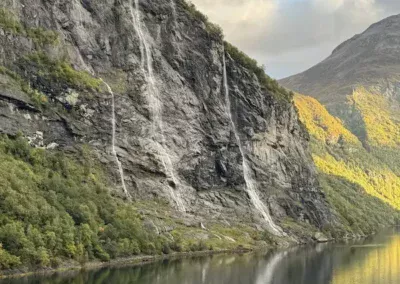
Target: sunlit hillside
(349, 173)
(380, 116)
(320, 124)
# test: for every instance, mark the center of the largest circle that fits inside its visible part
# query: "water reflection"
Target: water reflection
(370, 261)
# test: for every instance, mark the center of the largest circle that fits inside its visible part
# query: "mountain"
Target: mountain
(130, 127)
(370, 59)
(362, 188)
(364, 68)
(353, 117)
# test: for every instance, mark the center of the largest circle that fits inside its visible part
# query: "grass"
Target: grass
(58, 72)
(9, 23)
(39, 99)
(214, 30)
(40, 36)
(252, 65)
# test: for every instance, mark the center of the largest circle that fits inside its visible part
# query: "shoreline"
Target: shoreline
(134, 261)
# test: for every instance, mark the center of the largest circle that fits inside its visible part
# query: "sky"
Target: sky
(290, 36)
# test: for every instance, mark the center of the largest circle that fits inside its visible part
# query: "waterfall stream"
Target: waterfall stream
(174, 14)
(113, 150)
(155, 103)
(251, 185)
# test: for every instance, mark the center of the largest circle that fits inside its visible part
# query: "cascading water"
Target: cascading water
(174, 15)
(154, 102)
(113, 150)
(251, 186)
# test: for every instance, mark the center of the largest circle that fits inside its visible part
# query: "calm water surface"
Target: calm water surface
(375, 260)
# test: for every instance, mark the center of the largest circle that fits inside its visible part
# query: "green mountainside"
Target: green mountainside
(363, 187)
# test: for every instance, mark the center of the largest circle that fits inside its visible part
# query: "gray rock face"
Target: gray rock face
(204, 166)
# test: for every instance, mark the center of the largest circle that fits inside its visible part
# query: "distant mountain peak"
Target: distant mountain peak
(371, 58)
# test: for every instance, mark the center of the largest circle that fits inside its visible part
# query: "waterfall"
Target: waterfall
(113, 150)
(174, 15)
(154, 102)
(251, 186)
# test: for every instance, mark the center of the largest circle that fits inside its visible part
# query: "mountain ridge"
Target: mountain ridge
(367, 59)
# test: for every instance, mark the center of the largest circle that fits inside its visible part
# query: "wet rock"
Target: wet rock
(320, 237)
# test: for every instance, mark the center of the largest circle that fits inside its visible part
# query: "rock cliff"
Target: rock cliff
(164, 117)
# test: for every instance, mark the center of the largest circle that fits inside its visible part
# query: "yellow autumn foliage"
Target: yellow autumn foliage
(320, 123)
(381, 183)
(381, 122)
(362, 186)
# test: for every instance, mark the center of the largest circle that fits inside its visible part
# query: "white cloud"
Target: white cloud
(328, 5)
(238, 17)
(276, 31)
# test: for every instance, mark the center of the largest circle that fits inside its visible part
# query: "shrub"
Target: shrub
(58, 72)
(8, 260)
(213, 29)
(199, 246)
(39, 99)
(55, 207)
(42, 36)
(9, 23)
(166, 249)
(177, 245)
(252, 65)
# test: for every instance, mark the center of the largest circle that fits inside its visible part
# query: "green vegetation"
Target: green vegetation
(300, 229)
(320, 124)
(213, 29)
(362, 188)
(55, 208)
(42, 36)
(381, 122)
(252, 65)
(39, 99)
(7, 260)
(39, 35)
(59, 72)
(9, 23)
(358, 212)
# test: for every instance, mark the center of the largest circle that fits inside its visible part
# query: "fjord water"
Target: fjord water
(375, 260)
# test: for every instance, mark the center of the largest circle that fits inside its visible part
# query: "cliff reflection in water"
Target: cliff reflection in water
(375, 260)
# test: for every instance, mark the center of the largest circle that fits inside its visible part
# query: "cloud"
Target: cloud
(238, 17)
(289, 36)
(328, 6)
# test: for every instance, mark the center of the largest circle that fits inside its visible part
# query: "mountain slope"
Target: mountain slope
(358, 84)
(370, 59)
(192, 147)
(366, 67)
(360, 187)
